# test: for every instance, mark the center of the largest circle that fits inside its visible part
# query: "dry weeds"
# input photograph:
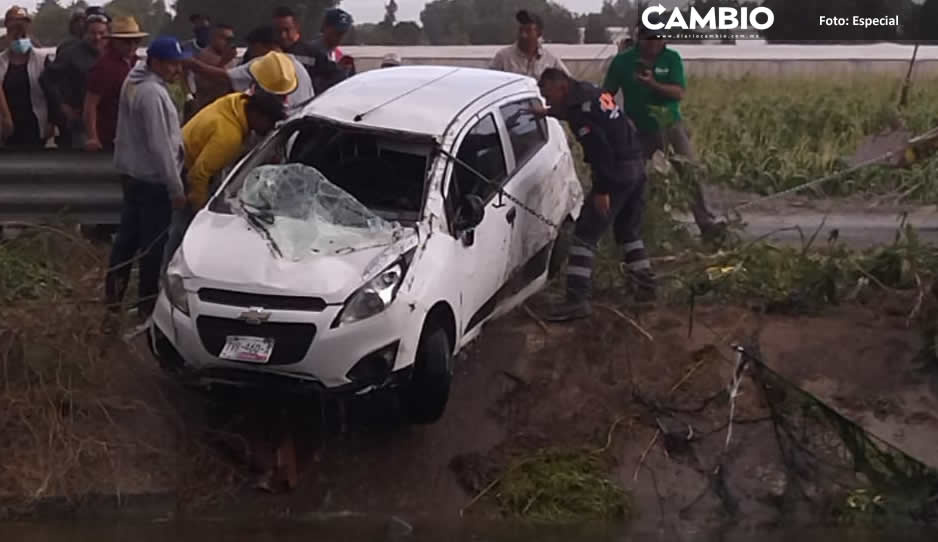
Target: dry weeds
(81, 412)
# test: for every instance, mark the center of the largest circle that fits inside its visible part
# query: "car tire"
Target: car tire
(424, 398)
(560, 251)
(162, 350)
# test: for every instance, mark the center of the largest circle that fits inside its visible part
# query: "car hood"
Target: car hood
(225, 250)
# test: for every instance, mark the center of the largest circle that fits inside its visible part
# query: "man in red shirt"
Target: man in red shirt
(105, 81)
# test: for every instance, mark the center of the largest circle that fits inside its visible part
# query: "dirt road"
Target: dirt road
(855, 229)
(858, 222)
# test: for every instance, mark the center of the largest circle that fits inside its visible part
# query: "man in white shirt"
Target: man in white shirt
(527, 56)
(260, 41)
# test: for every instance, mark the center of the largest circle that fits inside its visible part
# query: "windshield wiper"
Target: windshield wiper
(261, 220)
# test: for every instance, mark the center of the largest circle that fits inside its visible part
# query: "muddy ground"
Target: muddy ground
(633, 385)
(524, 386)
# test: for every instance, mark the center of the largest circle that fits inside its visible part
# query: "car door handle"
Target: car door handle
(512, 214)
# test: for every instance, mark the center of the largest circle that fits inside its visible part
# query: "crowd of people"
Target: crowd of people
(69, 100)
(178, 120)
(173, 122)
(170, 159)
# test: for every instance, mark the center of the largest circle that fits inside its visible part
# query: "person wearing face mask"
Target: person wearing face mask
(66, 77)
(25, 112)
(5, 42)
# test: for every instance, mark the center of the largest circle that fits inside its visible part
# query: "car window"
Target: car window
(527, 132)
(482, 151)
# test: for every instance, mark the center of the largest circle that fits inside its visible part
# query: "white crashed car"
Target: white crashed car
(371, 237)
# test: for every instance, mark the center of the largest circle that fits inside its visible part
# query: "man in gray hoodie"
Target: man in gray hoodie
(149, 154)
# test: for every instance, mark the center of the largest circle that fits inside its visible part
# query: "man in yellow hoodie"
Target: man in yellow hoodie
(213, 140)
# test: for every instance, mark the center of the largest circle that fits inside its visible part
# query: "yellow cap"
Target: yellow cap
(275, 73)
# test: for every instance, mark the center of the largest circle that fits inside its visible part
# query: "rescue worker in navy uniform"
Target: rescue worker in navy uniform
(613, 150)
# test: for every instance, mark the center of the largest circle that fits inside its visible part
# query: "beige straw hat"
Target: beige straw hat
(126, 28)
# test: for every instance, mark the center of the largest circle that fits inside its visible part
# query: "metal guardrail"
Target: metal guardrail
(52, 185)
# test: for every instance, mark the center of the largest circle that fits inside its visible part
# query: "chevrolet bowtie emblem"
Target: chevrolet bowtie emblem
(255, 315)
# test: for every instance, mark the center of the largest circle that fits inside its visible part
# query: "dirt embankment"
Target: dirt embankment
(646, 396)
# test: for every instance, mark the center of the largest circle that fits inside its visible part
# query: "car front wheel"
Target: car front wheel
(424, 398)
(164, 352)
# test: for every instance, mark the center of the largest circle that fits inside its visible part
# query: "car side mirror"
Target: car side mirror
(469, 213)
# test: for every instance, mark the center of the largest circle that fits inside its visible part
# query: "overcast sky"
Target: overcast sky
(365, 10)
(373, 10)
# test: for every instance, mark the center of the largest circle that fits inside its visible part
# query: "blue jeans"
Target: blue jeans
(141, 236)
(678, 137)
(177, 231)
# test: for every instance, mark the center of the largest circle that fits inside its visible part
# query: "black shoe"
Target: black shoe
(714, 232)
(569, 310)
(643, 286)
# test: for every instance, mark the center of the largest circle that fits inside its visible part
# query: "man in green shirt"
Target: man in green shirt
(651, 78)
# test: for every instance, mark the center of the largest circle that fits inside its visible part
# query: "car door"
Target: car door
(527, 137)
(482, 262)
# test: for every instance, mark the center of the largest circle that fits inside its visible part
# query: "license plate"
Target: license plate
(248, 349)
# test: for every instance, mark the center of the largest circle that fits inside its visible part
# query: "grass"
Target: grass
(764, 135)
(21, 278)
(802, 280)
(561, 486)
(793, 280)
(25, 273)
(81, 411)
(59, 387)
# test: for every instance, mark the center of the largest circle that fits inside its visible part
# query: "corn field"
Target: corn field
(764, 135)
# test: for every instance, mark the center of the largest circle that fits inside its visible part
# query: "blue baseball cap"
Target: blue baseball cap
(338, 19)
(167, 48)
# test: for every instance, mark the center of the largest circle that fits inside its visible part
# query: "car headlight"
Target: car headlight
(176, 293)
(173, 284)
(372, 298)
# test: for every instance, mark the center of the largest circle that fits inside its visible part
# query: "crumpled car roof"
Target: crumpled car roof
(417, 99)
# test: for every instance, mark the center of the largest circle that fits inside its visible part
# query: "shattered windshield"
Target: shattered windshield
(301, 213)
(315, 187)
(386, 173)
